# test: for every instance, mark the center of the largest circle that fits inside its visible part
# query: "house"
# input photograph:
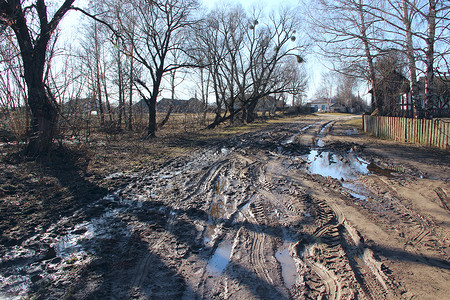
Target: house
(82, 106)
(390, 93)
(192, 105)
(270, 104)
(326, 105)
(441, 104)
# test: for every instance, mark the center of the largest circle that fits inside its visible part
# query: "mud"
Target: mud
(300, 209)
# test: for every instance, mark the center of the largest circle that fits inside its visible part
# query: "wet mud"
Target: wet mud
(289, 212)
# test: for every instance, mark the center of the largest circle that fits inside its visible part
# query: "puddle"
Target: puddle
(292, 138)
(288, 267)
(78, 239)
(375, 169)
(351, 131)
(210, 231)
(320, 142)
(70, 243)
(324, 128)
(115, 175)
(329, 164)
(220, 258)
(223, 151)
(358, 191)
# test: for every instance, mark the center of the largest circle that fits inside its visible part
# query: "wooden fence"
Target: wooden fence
(431, 133)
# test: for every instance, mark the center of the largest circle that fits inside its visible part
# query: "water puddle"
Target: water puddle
(375, 169)
(288, 267)
(115, 175)
(210, 231)
(71, 243)
(351, 131)
(82, 238)
(168, 175)
(14, 287)
(327, 163)
(358, 191)
(221, 208)
(320, 142)
(223, 151)
(220, 258)
(292, 138)
(324, 128)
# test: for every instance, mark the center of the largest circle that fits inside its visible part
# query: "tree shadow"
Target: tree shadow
(59, 188)
(402, 255)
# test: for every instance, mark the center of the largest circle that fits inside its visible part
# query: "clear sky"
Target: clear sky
(270, 4)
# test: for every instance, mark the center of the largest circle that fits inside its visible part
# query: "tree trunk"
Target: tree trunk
(429, 86)
(44, 116)
(33, 49)
(376, 101)
(416, 109)
(151, 132)
(130, 112)
(167, 117)
(121, 87)
(108, 104)
(250, 115)
(172, 90)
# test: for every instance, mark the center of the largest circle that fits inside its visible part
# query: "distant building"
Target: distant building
(325, 105)
(85, 106)
(192, 105)
(394, 93)
(270, 104)
(440, 105)
(389, 92)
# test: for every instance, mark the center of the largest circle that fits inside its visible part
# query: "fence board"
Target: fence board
(431, 133)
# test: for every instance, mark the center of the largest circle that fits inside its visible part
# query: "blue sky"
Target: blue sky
(270, 4)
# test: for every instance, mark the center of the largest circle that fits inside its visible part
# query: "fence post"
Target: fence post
(446, 133)
(433, 133)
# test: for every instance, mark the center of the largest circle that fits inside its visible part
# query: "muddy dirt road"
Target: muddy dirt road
(303, 209)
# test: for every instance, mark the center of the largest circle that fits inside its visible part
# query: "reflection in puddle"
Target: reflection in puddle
(373, 168)
(329, 164)
(209, 233)
(351, 131)
(292, 138)
(320, 143)
(288, 268)
(358, 191)
(223, 151)
(220, 259)
(324, 128)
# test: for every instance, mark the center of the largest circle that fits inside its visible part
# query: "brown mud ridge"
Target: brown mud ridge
(309, 209)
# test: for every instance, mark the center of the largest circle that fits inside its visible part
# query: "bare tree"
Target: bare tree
(158, 29)
(405, 31)
(97, 61)
(248, 59)
(13, 90)
(33, 30)
(345, 32)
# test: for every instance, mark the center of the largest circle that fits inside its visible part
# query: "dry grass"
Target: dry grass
(356, 122)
